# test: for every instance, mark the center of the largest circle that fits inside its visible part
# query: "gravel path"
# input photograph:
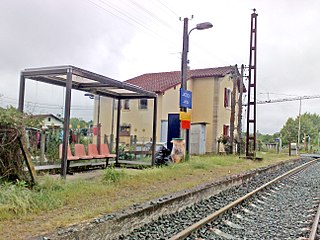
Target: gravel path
(169, 225)
(284, 211)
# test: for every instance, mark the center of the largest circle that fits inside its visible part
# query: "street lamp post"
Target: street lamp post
(184, 64)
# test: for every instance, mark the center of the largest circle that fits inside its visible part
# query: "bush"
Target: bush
(54, 141)
(111, 175)
(12, 126)
(125, 155)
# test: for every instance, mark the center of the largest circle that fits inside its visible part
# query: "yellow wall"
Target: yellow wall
(105, 116)
(224, 113)
(208, 100)
(140, 120)
(202, 109)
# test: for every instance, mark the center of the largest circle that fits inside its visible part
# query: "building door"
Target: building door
(164, 131)
(173, 128)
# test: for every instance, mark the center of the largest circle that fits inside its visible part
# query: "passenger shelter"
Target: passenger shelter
(71, 77)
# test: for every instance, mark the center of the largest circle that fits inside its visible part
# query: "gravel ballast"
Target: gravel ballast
(169, 225)
(285, 210)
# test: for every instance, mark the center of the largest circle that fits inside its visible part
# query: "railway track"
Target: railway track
(280, 209)
(172, 225)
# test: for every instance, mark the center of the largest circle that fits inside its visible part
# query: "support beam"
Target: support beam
(21, 92)
(66, 124)
(154, 131)
(118, 133)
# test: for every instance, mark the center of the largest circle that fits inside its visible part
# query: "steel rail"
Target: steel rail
(313, 232)
(186, 232)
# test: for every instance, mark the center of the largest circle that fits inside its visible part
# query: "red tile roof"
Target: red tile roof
(160, 82)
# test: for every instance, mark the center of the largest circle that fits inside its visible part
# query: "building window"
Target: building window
(143, 104)
(227, 97)
(49, 119)
(226, 130)
(126, 104)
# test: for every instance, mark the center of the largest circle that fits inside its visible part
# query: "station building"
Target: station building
(210, 114)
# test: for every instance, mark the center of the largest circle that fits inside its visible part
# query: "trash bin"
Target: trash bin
(178, 150)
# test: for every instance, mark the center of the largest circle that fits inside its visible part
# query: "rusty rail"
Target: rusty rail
(189, 230)
(313, 232)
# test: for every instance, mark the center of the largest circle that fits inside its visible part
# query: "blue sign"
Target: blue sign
(185, 98)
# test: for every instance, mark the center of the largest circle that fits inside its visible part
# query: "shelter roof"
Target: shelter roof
(87, 81)
(162, 81)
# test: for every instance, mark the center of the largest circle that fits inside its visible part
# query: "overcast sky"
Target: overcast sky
(125, 38)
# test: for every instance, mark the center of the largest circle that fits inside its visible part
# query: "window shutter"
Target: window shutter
(225, 97)
(225, 130)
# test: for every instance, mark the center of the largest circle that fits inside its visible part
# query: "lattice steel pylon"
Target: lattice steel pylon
(252, 93)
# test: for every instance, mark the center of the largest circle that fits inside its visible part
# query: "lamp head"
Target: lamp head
(204, 25)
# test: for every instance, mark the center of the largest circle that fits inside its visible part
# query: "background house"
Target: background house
(211, 106)
(50, 121)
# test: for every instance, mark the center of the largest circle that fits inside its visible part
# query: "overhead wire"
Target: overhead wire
(156, 19)
(151, 14)
(166, 6)
(130, 19)
(43, 105)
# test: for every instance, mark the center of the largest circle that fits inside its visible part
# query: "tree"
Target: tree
(310, 125)
(267, 138)
(74, 122)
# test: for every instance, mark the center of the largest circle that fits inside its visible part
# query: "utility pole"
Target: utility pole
(233, 106)
(299, 127)
(252, 91)
(184, 71)
(239, 126)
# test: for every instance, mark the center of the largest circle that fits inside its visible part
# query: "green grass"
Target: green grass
(111, 175)
(52, 193)
(17, 199)
(66, 202)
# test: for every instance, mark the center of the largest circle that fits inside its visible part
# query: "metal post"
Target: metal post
(290, 146)
(98, 126)
(42, 146)
(233, 106)
(21, 93)
(252, 103)
(299, 127)
(185, 49)
(66, 124)
(184, 70)
(118, 133)
(112, 127)
(239, 127)
(154, 131)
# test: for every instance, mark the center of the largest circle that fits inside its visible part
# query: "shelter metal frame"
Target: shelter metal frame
(76, 78)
